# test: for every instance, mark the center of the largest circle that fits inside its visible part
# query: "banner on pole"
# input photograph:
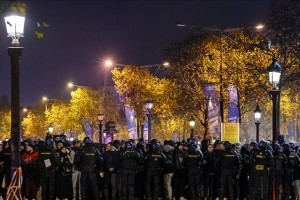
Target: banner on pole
(230, 132)
(145, 132)
(233, 112)
(131, 123)
(213, 109)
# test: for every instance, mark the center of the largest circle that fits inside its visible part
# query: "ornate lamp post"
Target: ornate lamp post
(192, 124)
(100, 119)
(275, 71)
(149, 106)
(14, 21)
(257, 115)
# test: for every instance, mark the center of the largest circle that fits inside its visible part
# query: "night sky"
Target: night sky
(83, 33)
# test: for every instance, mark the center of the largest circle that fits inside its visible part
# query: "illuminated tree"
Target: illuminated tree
(5, 120)
(34, 126)
(58, 116)
(136, 86)
(87, 103)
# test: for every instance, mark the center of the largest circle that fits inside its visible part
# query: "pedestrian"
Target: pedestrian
(179, 179)
(2, 170)
(76, 170)
(209, 157)
(168, 171)
(111, 160)
(63, 178)
(297, 177)
(7, 166)
(31, 173)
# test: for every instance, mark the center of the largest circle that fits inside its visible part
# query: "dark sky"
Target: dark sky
(83, 33)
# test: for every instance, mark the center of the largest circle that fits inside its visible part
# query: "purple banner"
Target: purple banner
(233, 111)
(131, 124)
(145, 132)
(213, 109)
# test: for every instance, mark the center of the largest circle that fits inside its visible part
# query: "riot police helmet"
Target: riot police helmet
(286, 146)
(262, 144)
(253, 144)
(155, 146)
(49, 140)
(277, 148)
(281, 139)
(87, 140)
(227, 145)
(128, 144)
(192, 145)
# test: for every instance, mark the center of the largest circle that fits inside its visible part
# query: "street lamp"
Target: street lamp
(110, 63)
(100, 119)
(50, 129)
(257, 115)
(46, 99)
(14, 21)
(192, 124)
(275, 71)
(149, 107)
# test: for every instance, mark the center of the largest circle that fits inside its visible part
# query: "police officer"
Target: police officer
(244, 176)
(89, 160)
(292, 163)
(140, 172)
(230, 167)
(194, 160)
(48, 160)
(261, 164)
(279, 168)
(128, 163)
(154, 162)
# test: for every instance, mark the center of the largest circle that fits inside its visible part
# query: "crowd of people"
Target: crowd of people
(130, 169)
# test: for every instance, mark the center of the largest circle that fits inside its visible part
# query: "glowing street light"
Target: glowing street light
(50, 128)
(46, 100)
(192, 124)
(257, 115)
(149, 107)
(259, 26)
(100, 119)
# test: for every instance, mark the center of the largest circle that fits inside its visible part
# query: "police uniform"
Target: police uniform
(279, 168)
(48, 160)
(89, 160)
(154, 162)
(261, 164)
(194, 160)
(128, 164)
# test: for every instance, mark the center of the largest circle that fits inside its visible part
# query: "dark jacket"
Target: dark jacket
(111, 160)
